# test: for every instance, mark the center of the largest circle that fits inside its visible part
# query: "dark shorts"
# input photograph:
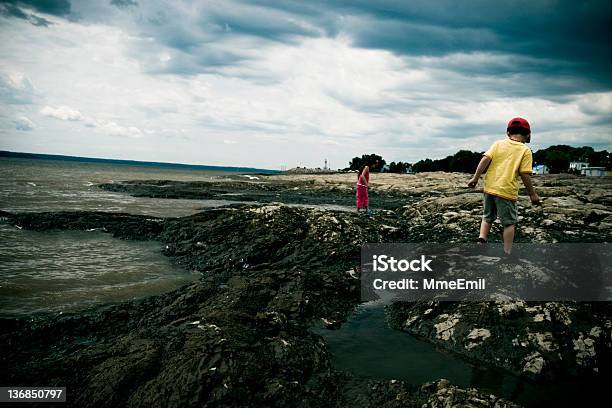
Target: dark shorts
(499, 207)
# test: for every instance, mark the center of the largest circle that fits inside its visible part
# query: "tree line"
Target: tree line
(557, 158)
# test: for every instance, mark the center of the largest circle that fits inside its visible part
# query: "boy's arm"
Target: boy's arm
(535, 199)
(484, 162)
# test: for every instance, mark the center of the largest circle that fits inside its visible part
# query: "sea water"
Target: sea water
(60, 271)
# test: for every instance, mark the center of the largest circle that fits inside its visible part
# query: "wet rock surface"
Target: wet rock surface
(240, 335)
(540, 340)
(264, 189)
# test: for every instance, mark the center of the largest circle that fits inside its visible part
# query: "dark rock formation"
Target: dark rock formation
(237, 337)
(289, 192)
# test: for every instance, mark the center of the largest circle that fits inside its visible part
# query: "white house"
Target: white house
(594, 171)
(540, 169)
(578, 165)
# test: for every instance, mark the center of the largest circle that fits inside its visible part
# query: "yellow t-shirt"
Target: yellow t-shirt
(508, 159)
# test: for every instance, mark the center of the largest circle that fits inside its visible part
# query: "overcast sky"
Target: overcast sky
(272, 83)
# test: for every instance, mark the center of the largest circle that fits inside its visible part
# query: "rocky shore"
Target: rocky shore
(240, 335)
(326, 189)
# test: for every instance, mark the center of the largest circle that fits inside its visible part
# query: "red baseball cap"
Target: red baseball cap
(519, 122)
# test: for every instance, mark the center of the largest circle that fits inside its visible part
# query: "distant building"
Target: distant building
(540, 169)
(594, 171)
(385, 168)
(578, 165)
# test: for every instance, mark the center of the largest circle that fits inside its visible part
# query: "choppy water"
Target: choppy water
(68, 270)
(50, 185)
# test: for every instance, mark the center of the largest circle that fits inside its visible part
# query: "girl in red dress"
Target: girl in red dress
(363, 178)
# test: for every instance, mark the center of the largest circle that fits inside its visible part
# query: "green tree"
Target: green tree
(600, 159)
(557, 160)
(558, 157)
(399, 167)
(375, 161)
(423, 165)
(465, 161)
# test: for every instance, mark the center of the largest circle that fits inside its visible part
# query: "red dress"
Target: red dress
(362, 191)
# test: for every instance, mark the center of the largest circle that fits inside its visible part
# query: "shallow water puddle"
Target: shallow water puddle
(70, 270)
(366, 346)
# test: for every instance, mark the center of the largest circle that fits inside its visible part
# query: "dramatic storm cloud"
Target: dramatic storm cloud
(268, 83)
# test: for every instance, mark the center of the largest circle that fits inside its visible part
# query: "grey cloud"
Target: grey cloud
(54, 7)
(413, 38)
(467, 130)
(10, 10)
(572, 36)
(568, 31)
(13, 11)
(200, 59)
(554, 50)
(564, 46)
(411, 100)
(603, 120)
(266, 23)
(124, 3)
(224, 21)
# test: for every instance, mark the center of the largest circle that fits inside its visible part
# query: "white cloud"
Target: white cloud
(331, 142)
(113, 129)
(16, 88)
(23, 123)
(62, 113)
(599, 103)
(107, 127)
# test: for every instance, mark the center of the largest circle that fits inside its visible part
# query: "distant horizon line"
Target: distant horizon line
(62, 157)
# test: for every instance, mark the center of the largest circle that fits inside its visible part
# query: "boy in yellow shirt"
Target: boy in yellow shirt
(506, 160)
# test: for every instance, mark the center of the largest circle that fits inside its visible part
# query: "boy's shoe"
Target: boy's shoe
(481, 240)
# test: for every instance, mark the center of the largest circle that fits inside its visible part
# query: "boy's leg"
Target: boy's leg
(488, 216)
(485, 228)
(508, 238)
(508, 216)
